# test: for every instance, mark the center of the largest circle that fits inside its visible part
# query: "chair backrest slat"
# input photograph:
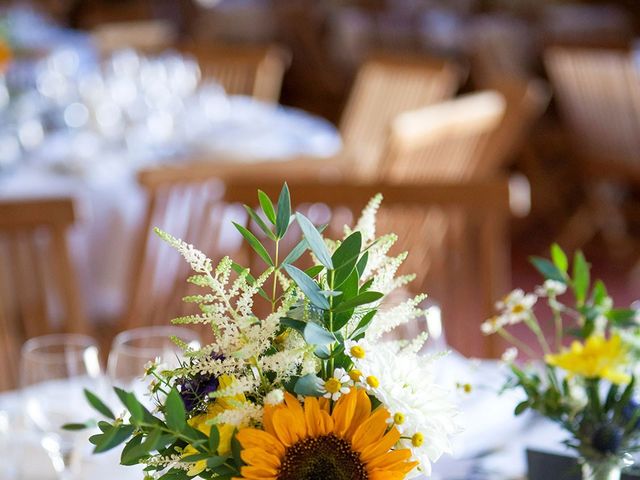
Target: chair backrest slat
(38, 290)
(256, 71)
(598, 92)
(385, 87)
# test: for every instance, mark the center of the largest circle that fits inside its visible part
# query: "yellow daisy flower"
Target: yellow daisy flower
(596, 358)
(303, 442)
(203, 423)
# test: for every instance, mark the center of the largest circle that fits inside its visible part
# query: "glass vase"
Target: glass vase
(601, 470)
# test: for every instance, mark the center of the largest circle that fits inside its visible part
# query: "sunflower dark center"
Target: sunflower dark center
(322, 458)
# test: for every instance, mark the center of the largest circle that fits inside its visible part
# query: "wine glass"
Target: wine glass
(133, 350)
(54, 371)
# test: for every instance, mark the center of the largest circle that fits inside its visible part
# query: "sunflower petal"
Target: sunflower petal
(252, 437)
(343, 412)
(362, 412)
(381, 446)
(371, 430)
(259, 457)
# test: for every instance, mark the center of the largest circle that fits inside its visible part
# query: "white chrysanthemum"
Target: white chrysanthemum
(551, 288)
(516, 307)
(274, 397)
(494, 324)
(510, 355)
(337, 385)
(405, 384)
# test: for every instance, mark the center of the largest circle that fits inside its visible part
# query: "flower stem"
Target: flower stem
(533, 325)
(516, 342)
(275, 277)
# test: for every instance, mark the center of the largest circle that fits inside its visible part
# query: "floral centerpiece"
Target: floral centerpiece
(311, 391)
(585, 377)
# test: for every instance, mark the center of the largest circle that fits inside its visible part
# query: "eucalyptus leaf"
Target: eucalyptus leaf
(267, 206)
(548, 270)
(315, 241)
(263, 226)
(345, 258)
(283, 215)
(309, 385)
(308, 286)
(313, 333)
(301, 247)
(360, 299)
(255, 244)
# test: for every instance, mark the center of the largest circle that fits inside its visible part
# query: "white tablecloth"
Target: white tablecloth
(492, 447)
(112, 204)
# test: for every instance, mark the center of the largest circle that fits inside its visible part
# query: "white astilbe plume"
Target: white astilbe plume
(245, 414)
(366, 225)
(387, 320)
(198, 260)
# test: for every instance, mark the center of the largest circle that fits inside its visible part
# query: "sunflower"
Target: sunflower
(307, 442)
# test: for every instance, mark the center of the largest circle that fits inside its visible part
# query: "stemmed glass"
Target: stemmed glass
(133, 349)
(54, 371)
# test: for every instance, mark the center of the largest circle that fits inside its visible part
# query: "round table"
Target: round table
(110, 202)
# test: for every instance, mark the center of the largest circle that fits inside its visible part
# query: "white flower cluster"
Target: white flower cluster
(404, 382)
(516, 307)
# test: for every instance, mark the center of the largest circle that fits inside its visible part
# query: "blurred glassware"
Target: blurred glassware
(54, 371)
(133, 350)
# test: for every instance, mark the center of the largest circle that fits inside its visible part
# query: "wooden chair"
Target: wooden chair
(441, 142)
(385, 87)
(598, 93)
(526, 100)
(38, 290)
(243, 70)
(198, 204)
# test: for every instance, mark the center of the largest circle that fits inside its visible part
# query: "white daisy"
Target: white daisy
(510, 355)
(494, 324)
(337, 385)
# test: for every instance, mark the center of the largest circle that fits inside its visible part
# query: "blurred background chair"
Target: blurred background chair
(38, 290)
(148, 36)
(598, 93)
(385, 87)
(256, 71)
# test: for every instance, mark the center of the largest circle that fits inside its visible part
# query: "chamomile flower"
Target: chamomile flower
(494, 324)
(551, 288)
(510, 355)
(337, 385)
(516, 307)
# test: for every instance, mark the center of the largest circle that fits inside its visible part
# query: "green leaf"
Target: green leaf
(314, 271)
(301, 247)
(581, 277)
(112, 438)
(309, 385)
(236, 449)
(315, 241)
(364, 323)
(559, 258)
(216, 461)
(362, 264)
(214, 439)
(521, 407)
(175, 414)
(345, 258)
(361, 299)
(313, 333)
(308, 286)
(98, 405)
(255, 244)
(548, 270)
(131, 402)
(622, 317)
(77, 426)
(132, 453)
(263, 226)
(599, 293)
(267, 206)
(284, 212)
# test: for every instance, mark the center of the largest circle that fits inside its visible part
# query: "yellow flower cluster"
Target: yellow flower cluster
(595, 358)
